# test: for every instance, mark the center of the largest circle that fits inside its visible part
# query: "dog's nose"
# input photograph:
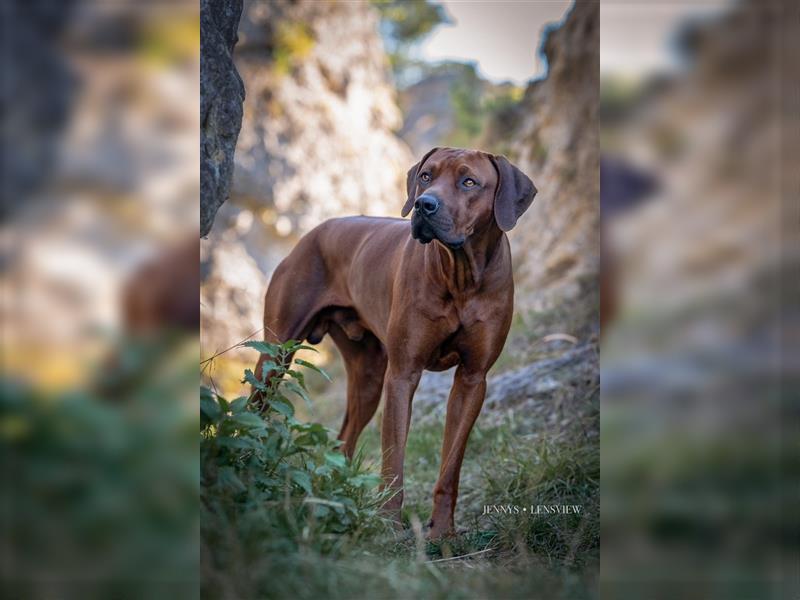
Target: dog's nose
(427, 204)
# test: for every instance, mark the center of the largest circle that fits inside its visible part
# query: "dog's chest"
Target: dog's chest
(454, 314)
(455, 324)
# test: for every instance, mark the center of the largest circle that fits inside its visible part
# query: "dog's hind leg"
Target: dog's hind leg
(365, 361)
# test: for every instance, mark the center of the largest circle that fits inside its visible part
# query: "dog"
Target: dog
(400, 298)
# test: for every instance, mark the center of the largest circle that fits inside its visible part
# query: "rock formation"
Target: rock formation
(320, 118)
(552, 135)
(221, 96)
(711, 135)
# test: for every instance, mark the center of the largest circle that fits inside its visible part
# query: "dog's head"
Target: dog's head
(457, 193)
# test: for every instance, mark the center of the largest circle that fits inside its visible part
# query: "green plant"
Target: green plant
(404, 23)
(101, 482)
(270, 483)
(264, 535)
(294, 42)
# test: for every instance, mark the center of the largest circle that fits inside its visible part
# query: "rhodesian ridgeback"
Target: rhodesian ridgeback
(399, 298)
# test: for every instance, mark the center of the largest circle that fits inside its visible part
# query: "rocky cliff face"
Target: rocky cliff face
(429, 117)
(221, 96)
(552, 135)
(711, 135)
(320, 120)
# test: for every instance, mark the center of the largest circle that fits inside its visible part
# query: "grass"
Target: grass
(504, 556)
(504, 465)
(500, 555)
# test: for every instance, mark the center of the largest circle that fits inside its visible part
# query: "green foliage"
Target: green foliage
(405, 21)
(479, 105)
(294, 42)
(272, 484)
(100, 484)
(284, 514)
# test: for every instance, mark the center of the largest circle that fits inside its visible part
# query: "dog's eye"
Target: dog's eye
(426, 177)
(469, 182)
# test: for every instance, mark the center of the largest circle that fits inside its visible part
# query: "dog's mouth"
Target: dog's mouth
(425, 230)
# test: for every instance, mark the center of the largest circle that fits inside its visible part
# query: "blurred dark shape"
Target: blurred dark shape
(162, 293)
(160, 311)
(35, 98)
(623, 186)
(221, 97)
(112, 29)
(609, 296)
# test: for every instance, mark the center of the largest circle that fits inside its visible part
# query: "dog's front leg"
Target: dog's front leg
(401, 383)
(463, 407)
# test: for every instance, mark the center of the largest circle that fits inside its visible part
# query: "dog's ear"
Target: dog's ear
(411, 182)
(515, 192)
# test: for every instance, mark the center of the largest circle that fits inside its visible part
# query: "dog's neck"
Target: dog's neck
(463, 269)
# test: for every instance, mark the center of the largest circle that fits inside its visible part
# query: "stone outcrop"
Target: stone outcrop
(221, 97)
(553, 136)
(321, 115)
(539, 388)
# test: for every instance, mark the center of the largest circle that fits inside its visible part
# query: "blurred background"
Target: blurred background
(698, 137)
(98, 312)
